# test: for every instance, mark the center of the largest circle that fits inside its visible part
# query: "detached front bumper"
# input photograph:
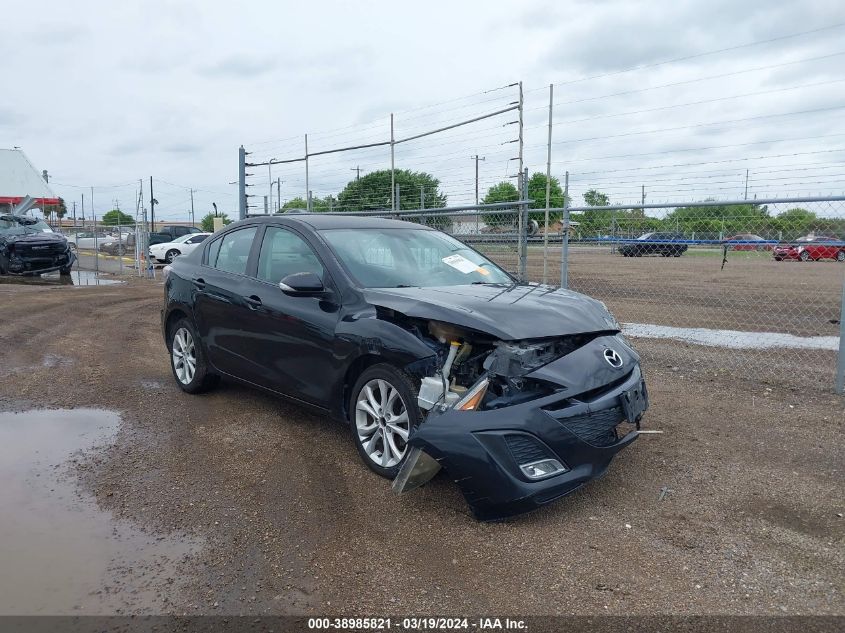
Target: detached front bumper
(483, 450)
(23, 266)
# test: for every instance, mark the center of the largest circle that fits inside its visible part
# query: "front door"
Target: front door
(290, 339)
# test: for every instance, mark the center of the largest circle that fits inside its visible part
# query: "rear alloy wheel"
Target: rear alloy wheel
(170, 255)
(187, 360)
(804, 256)
(383, 412)
(840, 256)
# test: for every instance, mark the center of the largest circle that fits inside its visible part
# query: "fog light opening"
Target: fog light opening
(542, 469)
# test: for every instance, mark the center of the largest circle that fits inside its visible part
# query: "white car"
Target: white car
(183, 245)
(86, 239)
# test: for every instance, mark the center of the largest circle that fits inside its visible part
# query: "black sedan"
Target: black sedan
(665, 244)
(432, 354)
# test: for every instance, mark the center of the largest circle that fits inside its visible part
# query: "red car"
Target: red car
(812, 247)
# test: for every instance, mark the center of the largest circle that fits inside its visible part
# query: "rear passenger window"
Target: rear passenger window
(284, 253)
(232, 254)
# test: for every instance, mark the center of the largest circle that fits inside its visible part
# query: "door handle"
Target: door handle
(200, 283)
(253, 302)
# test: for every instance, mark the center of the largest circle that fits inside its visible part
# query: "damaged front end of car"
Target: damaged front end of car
(519, 423)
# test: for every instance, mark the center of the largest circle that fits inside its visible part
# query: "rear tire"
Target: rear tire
(382, 412)
(804, 256)
(187, 359)
(840, 256)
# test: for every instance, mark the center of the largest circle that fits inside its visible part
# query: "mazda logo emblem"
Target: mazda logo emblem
(613, 358)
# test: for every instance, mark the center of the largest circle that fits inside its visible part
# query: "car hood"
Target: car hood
(34, 238)
(507, 312)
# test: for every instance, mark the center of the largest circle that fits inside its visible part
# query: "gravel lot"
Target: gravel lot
(737, 508)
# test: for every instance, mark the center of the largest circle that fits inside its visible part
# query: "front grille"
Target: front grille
(525, 449)
(597, 428)
(40, 250)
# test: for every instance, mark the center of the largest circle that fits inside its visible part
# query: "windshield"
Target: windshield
(647, 236)
(404, 258)
(182, 238)
(11, 225)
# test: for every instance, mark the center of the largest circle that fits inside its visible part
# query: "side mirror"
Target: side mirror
(303, 284)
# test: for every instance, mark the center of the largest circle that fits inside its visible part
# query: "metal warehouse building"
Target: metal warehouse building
(19, 179)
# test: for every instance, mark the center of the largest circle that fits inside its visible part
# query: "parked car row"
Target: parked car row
(807, 248)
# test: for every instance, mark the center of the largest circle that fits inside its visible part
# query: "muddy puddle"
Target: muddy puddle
(731, 339)
(60, 553)
(76, 278)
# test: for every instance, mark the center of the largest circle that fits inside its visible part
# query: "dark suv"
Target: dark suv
(29, 247)
(666, 244)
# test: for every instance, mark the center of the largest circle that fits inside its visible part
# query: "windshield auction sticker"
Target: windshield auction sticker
(461, 263)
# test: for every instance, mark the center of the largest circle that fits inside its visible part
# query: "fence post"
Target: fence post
(523, 229)
(548, 189)
(564, 243)
(241, 183)
(840, 364)
(120, 247)
(422, 206)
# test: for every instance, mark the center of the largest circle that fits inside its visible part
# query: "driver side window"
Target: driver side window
(284, 253)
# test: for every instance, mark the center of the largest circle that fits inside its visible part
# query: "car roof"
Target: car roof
(320, 221)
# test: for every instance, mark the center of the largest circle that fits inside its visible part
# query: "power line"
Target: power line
(697, 55)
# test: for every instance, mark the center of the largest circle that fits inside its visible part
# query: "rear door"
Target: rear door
(221, 286)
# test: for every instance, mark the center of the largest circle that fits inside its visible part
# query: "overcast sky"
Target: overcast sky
(105, 94)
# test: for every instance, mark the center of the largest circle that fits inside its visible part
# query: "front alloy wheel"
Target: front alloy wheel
(171, 255)
(382, 424)
(383, 412)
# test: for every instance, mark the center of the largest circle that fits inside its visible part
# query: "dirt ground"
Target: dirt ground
(737, 508)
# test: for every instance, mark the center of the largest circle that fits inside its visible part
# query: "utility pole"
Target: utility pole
(357, 171)
(392, 173)
(307, 182)
(642, 208)
(193, 221)
(477, 158)
(746, 184)
(152, 207)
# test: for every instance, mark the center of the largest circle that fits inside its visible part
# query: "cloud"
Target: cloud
(239, 66)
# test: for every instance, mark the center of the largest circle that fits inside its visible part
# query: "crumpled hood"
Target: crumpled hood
(508, 313)
(34, 238)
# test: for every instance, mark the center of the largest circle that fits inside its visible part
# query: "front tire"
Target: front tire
(382, 413)
(804, 256)
(840, 256)
(187, 359)
(170, 255)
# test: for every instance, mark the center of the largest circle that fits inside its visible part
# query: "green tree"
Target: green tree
(595, 198)
(207, 222)
(507, 192)
(58, 209)
(116, 217)
(719, 219)
(318, 205)
(295, 203)
(371, 192)
(501, 192)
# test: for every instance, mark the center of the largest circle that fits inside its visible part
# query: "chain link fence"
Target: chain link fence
(738, 287)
